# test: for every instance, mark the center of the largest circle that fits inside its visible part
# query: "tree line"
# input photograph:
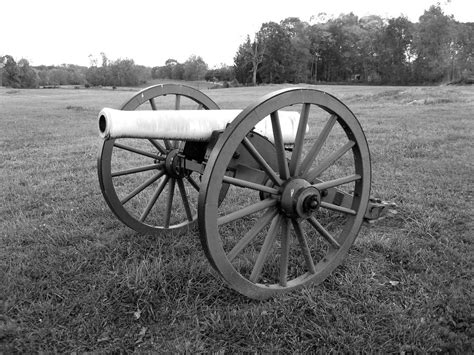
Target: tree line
(369, 49)
(120, 72)
(105, 72)
(194, 68)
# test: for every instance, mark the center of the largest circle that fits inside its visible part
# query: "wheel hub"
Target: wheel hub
(300, 199)
(173, 165)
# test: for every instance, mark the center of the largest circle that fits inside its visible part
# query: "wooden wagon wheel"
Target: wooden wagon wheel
(290, 230)
(137, 176)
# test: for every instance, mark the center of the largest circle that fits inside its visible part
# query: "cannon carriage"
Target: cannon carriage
(279, 190)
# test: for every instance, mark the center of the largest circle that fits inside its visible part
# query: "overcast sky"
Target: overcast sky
(151, 31)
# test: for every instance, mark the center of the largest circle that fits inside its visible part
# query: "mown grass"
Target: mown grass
(74, 279)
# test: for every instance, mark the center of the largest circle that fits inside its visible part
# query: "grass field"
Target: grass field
(75, 279)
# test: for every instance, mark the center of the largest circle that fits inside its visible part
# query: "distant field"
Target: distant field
(75, 279)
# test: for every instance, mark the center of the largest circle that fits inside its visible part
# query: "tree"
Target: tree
(28, 77)
(368, 57)
(394, 47)
(243, 63)
(346, 51)
(143, 73)
(166, 71)
(299, 69)
(2, 64)
(58, 76)
(123, 72)
(256, 51)
(195, 68)
(177, 72)
(463, 57)
(432, 44)
(277, 56)
(95, 76)
(320, 44)
(248, 59)
(76, 74)
(11, 72)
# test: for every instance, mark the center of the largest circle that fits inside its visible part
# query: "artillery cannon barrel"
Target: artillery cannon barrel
(191, 125)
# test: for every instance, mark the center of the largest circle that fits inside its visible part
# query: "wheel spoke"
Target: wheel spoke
(249, 185)
(266, 248)
(252, 233)
(308, 160)
(137, 170)
(337, 182)
(142, 187)
(168, 144)
(193, 183)
(200, 107)
(321, 230)
(304, 246)
(285, 252)
(153, 199)
(169, 203)
(261, 161)
(337, 208)
(138, 151)
(269, 202)
(177, 102)
(158, 146)
(299, 140)
(184, 197)
(279, 146)
(313, 174)
(152, 103)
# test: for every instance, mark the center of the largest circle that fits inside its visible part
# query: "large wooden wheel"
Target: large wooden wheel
(139, 178)
(287, 229)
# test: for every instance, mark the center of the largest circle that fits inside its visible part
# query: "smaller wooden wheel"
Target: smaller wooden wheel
(283, 223)
(140, 179)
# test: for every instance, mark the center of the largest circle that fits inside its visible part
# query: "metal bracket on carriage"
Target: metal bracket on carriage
(376, 208)
(379, 209)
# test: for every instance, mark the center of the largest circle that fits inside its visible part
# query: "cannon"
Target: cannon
(279, 190)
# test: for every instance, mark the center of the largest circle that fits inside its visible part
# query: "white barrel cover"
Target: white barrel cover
(190, 125)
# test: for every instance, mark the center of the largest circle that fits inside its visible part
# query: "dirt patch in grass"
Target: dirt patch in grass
(76, 108)
(411, 96)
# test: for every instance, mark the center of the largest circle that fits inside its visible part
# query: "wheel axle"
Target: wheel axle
(173, 165)
(310, 204)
